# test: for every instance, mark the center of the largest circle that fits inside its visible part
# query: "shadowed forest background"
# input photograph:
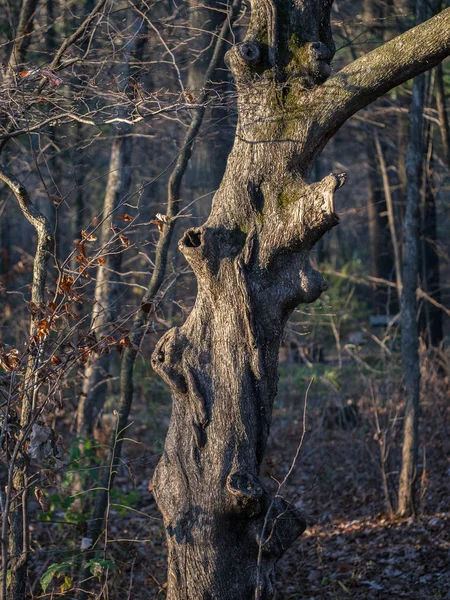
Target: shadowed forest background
(116, 120)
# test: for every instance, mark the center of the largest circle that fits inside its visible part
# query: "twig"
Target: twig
(262, 542)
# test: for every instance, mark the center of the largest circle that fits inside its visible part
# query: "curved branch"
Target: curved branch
(43, 230)
(374, 74)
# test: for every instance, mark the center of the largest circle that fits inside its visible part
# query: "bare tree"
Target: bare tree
(107, 291)
(14, 506)
(252, 266)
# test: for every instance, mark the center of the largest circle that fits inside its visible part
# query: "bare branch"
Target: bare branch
(374, 74)
(43, 230)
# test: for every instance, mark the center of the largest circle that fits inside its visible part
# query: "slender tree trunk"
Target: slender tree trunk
(379, 240)
(391, 214)
(410, 334)
(14, 537)
(15, 556)
(106, 288)
(442, 112)
(430, 317)
(204, 175)
(17, 56)
(251, 259)
(430, 324)
(23, 33)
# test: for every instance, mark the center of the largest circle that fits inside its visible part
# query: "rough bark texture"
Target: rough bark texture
(410, 337)
(252, 266)
(140, 321)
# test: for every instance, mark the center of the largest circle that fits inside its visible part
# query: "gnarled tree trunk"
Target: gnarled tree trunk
(252, 266)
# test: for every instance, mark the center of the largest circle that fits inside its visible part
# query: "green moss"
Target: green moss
(244, 228)
(286, 198)
(260, 218)
(299, 55)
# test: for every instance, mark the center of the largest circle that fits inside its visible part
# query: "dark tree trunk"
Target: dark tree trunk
(251, 260)
(410, 333)
(442, 112)
(107, 290)
(381, 263)
(430, 323)
(204, 175)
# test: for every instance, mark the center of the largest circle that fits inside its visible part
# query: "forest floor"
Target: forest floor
(351, 548)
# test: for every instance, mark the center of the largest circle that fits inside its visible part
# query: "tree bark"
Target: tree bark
(251, 260)
(410, 333)
(95, 524)
(431, 325)
(107, 290)
(380, 247)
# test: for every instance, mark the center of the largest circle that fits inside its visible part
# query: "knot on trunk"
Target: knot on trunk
(303, 214)
(326, 188)
(246, 492)
(205, 247)
(194, 245)
(322, 214)
(198, 407)
(294, 281)
(246, 60)
(166, 360)
(284, 43)
(309, 62)
(249, 52)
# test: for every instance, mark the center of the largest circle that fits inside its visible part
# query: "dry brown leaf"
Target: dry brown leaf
(88, 237)
(159, 225)
(125, 217)
(125, 241)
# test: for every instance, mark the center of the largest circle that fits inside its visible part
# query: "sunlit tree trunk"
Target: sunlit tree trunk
(251, 258)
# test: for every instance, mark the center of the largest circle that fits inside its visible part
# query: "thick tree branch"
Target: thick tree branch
(374, 74)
